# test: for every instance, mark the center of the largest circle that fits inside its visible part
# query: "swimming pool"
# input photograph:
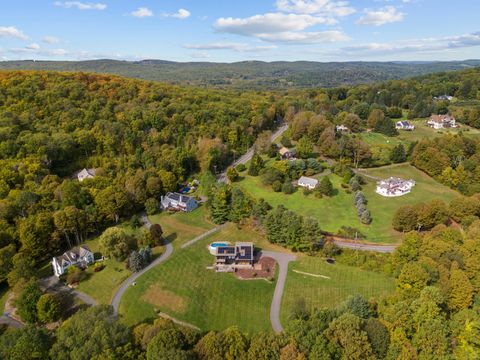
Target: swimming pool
(213, 246)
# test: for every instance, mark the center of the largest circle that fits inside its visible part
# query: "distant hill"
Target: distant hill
(250, 74)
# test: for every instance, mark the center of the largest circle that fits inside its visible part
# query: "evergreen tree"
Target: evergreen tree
(27, 302)
(135, 261)
(386, 126)
(325, 187)
(232, 174)
(241, 207)
(256, 164)
(366, 218)
(220, 204)
(398, 154)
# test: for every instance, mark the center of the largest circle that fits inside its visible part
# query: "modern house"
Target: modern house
(393, 187)
(404, 125)
(442, 122)
(178, 202)
(307, 182)
(232, 257)
(86, 174)
(79, 256)
(286, 153)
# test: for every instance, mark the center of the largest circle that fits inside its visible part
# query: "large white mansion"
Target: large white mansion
(393, 187)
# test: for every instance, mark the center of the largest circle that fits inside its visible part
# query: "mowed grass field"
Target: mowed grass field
(339, 210)
(421, 131)
(340, 282)
(184, 288)
(178, 228)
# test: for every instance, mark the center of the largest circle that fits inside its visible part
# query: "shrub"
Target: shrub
(366, 218)
(306, 191)
(98, 267)
(49, 308)
(75, 276)
(277, 186)
(241, 167)
(151, 206)
(288, 187)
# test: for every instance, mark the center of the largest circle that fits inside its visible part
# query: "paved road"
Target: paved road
(282, 261)
(365, 246)
(129, 281)
(249, 154)
(5, 319)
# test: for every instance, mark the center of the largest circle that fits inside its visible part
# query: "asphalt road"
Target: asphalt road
(282, 261)
(249, 154)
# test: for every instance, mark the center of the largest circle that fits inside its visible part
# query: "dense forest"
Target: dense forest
(142, 138)
(250, 74)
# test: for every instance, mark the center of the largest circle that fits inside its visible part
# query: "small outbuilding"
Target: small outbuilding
(86, 174)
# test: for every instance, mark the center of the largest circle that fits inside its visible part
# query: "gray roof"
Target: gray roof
(179, 197)
(73, 254)
(308, 181)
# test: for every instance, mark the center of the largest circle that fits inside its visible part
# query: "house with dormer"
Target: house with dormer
(80, 256)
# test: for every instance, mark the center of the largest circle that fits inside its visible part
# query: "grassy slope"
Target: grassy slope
(339, 210)
(184, 288)
(327, 293)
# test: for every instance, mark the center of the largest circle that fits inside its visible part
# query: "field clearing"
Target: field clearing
(184, 288)
(331, 285)
(421, 131)
(339, 210)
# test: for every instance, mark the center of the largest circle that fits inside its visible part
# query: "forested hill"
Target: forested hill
(251, 74)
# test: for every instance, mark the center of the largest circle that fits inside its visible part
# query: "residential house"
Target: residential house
(79, 256)
(232, 257)
(442, 122)
(342, 128)
(178, 202)
(443, 97)
(393, 187)
(86, 174)
(308, 182)
(286, 153)
(404, 125)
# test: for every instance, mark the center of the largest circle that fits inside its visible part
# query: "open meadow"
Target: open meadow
(339, 210)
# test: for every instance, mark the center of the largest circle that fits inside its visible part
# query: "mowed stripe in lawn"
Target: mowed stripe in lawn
(321, 292)
(211, 300)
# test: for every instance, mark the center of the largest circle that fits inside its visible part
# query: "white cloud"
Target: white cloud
(80, 5)
(142, 12)
(239, 47)
(316, 7)
(12, 32)
(33, 46)
(427, 45)
(270, 23)
(50, 40)
(180, 14)
(279, 27)
(385, 15)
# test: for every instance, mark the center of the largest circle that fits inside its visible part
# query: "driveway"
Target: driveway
(129, 281)
(283, 260)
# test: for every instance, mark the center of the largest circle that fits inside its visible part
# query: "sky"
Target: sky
(239, 30)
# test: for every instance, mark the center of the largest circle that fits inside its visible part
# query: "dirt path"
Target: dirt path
(359, 245)
(283, 260)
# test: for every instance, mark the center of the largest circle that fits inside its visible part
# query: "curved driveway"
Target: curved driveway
(128, 282)
(282, 260)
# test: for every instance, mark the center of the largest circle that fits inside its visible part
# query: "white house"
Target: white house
(393, 187)
(307, 182)
(78, 256)
(86, 174)
(442, 122)
(342, 128)
(404, 125)
(178, 202)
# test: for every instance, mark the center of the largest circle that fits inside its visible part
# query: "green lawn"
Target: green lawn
(320, 292)
(181, 227)
(421, 131)
(183, 287)
(339, 210)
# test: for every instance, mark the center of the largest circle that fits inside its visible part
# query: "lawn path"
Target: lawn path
(202, 236)
(282, 259)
